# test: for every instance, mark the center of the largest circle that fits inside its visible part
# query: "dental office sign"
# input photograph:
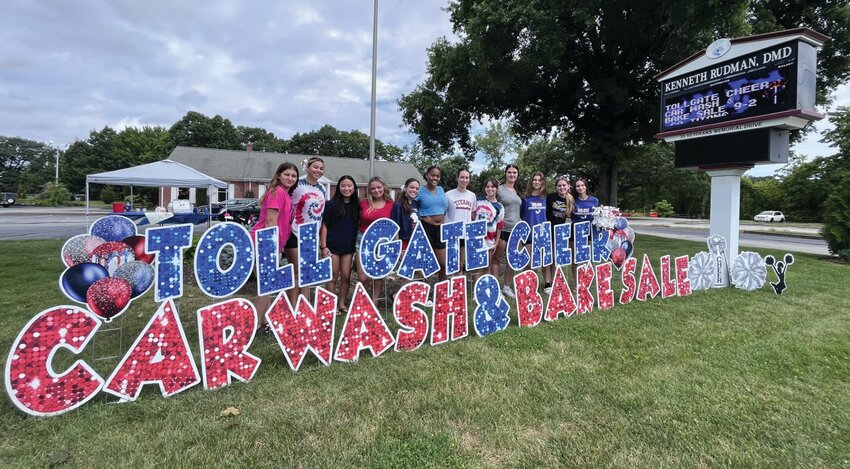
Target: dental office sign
(112, 266)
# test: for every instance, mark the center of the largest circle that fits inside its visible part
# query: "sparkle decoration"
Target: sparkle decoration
(585, 273)
(600, 240)
(378, 253)
(668, 285)
(749, 271)
(412, 321)
(582, 242)
(701, 271)
(306, 328)
(75, 281)
(168, 243)
(607, 217)
(683, 283)
(541, 245)
(109, 297)
(563, 252)
(529, 303)
(517, 257)
(225, 331)
(648, 283)
(270, 277)
(139, 274)
(780, 268)
(604, 293)
(561, 300)
(451, 233)
(113, 228)
(311, 269)
(491, 312)
(214, 280)
(419, 257)
(79, 249)
(449, 307)
(31, 384)
(477, 254)
(137, 244)
(364, 328)
(627, 274)
(112, 254)
(160, 355)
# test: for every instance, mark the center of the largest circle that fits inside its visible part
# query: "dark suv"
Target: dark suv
(8, 198)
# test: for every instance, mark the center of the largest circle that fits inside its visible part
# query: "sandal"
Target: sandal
(342, 310)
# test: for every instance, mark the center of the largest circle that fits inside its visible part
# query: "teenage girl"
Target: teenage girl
(338, 234)
(510, 199)
(585, 203)
(491, 211)
(276, 210)
(308, 201)
(377, 204)
(461, 206)
(431, 205)
(559, 208)
(403, 209)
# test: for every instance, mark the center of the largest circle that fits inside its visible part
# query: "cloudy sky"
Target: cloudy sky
(288, 66)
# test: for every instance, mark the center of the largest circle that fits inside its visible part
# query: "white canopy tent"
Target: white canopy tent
(163, 173)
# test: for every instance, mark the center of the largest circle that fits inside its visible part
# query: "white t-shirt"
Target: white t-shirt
(461, 206)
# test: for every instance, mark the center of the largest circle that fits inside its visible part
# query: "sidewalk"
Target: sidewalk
(807, 230)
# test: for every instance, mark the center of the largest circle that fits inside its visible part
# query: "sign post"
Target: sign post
(731, 106)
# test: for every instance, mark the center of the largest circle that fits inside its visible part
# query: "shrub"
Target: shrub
(664, 208)
(107, 195)
(55, 194)
(836, 218)
(249, 194)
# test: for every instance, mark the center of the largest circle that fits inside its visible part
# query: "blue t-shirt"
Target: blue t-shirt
(403, 220)
(427, 204)
(533, 210)
(341, 231)
(584, 209)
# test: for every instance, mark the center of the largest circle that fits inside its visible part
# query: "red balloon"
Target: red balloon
(138, 244)
(108, 297)
(618, 257)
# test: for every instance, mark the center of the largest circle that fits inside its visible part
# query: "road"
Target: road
(65, 222)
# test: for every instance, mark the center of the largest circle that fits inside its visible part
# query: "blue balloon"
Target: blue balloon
(75, 281)
(621, 223)
(628, 247)
(138, 274)
(113, 228)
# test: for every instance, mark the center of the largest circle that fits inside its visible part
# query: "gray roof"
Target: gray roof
(258, 166)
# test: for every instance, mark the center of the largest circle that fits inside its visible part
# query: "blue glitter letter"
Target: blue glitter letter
(541, 245)
(450, 233)
(600, 239)
(419, 256)
(477, 256)
(491, 314)
(214, 281)
(311, 269)
(582, 247)
(517, 257)
(378, 254)
(270, 278)
(168, 242)
(563, 253)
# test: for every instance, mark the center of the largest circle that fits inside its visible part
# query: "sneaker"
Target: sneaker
(506, 290)
(547, 289)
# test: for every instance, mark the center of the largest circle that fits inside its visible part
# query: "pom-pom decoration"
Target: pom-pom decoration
(31, 384)
(701, 271)
(225, 331)
(412, 321)
(605, 217)
(160, 355)
(491, 312)
(305, 329)
(79, 249)
(749, 271)
(449, 309)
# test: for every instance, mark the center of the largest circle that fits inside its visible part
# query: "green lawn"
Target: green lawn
(719, 378)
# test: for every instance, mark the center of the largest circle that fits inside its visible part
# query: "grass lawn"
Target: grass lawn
(723, 377)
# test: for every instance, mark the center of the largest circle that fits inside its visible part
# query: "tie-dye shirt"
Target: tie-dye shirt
(494, 214)
(308, 203)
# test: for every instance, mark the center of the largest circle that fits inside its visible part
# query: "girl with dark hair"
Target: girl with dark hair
(431, 205)
(308, 202)
(511, 200)
(403, 209)
(276, 210)
(338, 234)
(585, 203)
(533, 208)
(559, 208)
(489, 209)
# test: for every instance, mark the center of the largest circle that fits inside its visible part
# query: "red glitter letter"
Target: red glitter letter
(682, 281)
(413, 320)
(604, 294)
(449, 302)
(561, 300)
(668, 286)
(529, 303)
(306, 329)
(585, 278)
(629, 285)
(364, 328)
(225, 331)
(648, 285)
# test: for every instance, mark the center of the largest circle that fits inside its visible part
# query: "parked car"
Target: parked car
(231, 203)
(79, 197)
(244, 214)
(8, 198)
(769, 216)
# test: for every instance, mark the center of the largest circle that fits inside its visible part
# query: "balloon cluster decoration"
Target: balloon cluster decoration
(107, 268)
(621, 240)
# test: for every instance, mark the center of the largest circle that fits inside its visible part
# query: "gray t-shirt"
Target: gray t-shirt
(512, 202)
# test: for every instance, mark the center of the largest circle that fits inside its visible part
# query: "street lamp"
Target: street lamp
(56, 151)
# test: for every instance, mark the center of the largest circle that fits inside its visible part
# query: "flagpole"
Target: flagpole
(374, 90)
